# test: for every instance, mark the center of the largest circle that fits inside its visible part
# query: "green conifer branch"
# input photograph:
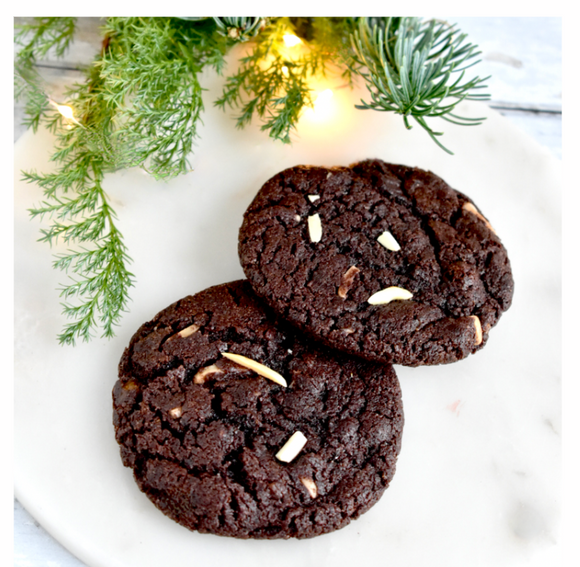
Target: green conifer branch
(141, 105)
(34, 41)
(416, 69)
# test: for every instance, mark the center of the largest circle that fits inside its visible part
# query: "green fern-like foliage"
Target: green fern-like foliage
(271, 82)
(82, 218)
(34, 42)
(141, 105)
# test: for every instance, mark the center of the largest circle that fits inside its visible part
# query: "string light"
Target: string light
(323, 99)
(324, 109)
(291, 40)
(66, 111)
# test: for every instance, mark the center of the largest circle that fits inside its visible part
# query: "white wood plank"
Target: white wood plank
(545, 128)
(86, 44)
(523, 57)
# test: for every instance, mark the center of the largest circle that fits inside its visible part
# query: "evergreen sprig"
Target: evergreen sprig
(34, 41)
(81, 215)
(241, 28)
(272, 81)
(417, 69)
(150, 74)
(141, 105)
(103, 279)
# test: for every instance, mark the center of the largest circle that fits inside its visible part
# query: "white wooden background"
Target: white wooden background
(524, 58)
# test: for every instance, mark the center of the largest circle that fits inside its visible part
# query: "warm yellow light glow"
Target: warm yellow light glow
(291, 40)
(323, 99)
(285, 71)
(324, 108)
(331, 115)
(66, 111)
(323, 105)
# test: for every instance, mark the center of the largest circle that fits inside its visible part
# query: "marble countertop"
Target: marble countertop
(523, 55)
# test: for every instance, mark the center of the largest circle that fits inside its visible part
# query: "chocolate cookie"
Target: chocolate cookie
(216, 441)
(383, 261)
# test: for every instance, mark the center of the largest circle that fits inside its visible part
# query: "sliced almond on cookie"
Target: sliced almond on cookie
(292, 447)
(315, 228)
(184, 333)
(470, 207)
(201, 375)
(388, 241)
(256, 367)
(347, 281)
(310, 485)
(389, 294)
(478, 331)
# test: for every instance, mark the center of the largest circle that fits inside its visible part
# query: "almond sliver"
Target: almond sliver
(184, 333)
(256, 367)
(388, 241)
(315, 227)
(292, 447)
(200, 377)
(470, 207)
(310, 485)
(478, 330)
(389, 294)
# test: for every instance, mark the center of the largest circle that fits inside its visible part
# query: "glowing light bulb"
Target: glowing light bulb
(291, 40)
(324, 108)
(66, 111)
(323, 99)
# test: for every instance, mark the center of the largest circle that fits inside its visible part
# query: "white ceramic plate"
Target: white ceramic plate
(478, 477)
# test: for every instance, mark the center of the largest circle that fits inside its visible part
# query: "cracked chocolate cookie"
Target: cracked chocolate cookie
(236, 426)
(382, 261)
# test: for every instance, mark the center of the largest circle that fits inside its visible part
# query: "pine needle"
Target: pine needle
(141, 104)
